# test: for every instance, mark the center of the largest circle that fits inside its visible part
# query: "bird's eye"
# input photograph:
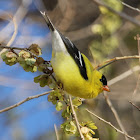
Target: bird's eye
(103, 80)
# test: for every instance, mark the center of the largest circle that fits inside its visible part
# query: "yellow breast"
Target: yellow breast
(67, 72)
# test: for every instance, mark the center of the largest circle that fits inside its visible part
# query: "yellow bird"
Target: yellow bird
(72, 68)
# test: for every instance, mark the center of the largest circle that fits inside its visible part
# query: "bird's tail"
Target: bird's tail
(48, 21)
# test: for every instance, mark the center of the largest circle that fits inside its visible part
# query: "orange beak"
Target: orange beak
(106, 88)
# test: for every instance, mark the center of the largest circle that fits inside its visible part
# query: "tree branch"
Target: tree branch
(13, 36)
(15, 32)
(110, 61)
(133, 8)
(75, 117)
(122, 15)
(56, 132)
(123, 75)
(137, 37)
(25, 100)
(16, 48)
(134, 105)
(100, 66)
(115, 114)
(13, 48)
(110, 103)
(111, 125)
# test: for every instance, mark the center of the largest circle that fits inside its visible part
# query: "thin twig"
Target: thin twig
(137, 86)
(20, 14)
(111, 125)
(15, 32)
(133, 8)
(23, 101)
(123, 75)
(100, 66)
(13, 48)
(110, 61)
(16, 48)
(75, 117)
(122, 15)
(56, 132)
(134, 105)
(120, 77)
(137, 37)
(115, 114)
(13, 36)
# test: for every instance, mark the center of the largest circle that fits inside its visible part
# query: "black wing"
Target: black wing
(76, 55)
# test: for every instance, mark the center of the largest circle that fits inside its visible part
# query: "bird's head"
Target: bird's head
(100, 82)
(104, 83)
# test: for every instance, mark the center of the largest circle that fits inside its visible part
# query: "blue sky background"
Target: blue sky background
(36, 116)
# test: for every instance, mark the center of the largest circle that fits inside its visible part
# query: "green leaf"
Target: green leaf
(59, 106)
(44, 80)
(21, 60)
(51, 84)
(115, 4)
(3, 55)
(89, 124)
(30, 61)
(110, 25)
(24, 54)
(27, 68)
(103, 10)
(55, 96)
(97, 29)
(14, 59)
(40, 77)
(11, 55)
(77, 101)
(35, 49)
(91, 131)
(69, 127)
(66, 113)
(9, 58)
(37, 79)
(34, 68)
(39, 60)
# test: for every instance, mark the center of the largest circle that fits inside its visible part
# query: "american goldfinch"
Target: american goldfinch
(72, 68)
